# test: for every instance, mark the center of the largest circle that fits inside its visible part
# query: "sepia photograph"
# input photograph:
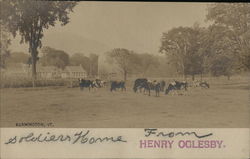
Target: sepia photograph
(93, 64)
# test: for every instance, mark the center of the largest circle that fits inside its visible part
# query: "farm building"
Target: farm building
(74, 72)
(48, 72)
(20, 70)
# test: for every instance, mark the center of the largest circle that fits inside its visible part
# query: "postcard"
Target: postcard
(122, 79)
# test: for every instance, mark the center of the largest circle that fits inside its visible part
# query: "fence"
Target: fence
(27, 82)
(16, 82)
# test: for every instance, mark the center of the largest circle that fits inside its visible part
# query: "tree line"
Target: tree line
(222, 48)
(58, 58)
(129, 62)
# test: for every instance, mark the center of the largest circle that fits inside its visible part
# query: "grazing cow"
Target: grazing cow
(147, 85)
(204, 84)
(117, 85)
(176, 85)
(98, 83)
(156, 86)
(139, 84)
(86, 83)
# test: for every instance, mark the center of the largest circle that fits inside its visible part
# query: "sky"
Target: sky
(97, 27)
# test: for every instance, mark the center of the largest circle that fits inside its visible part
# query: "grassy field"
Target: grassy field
(225, 104)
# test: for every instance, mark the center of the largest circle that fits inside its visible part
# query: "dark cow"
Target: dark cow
(117, 85)
(156, 86)
(86, 83)
(176, 85)
(139, 84)
(143, 83)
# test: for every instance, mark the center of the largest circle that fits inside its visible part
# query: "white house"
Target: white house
(20, 70)
(74, 72)
(48, 72)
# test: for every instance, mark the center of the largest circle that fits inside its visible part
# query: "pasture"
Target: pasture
(225, 104)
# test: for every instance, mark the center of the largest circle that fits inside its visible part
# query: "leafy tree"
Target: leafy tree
(234, 17)
(222, 65)
(29, 18)
(124, 59)
(146, 61)
(181, 45)
(219, 45)
(17, 57)
(53, 57)
(4, 46)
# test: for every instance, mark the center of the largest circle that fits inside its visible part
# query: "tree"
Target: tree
(181, 45)
(30, 18)
(219, 45)
(125, 60)
(79, 59)
(4, 46)
(17, 57)
(234, 17)
(53, 57)
(146, 61)
(222, 65)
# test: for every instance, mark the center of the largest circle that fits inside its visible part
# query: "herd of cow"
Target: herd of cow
(142, 85)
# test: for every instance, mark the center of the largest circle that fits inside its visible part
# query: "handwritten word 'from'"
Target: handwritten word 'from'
(155, 133)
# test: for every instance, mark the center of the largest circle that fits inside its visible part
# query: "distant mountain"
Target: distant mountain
(72, 43)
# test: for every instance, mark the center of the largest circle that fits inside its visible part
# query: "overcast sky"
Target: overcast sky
(99, 26)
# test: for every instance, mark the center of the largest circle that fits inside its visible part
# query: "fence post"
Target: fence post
(71, 82)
